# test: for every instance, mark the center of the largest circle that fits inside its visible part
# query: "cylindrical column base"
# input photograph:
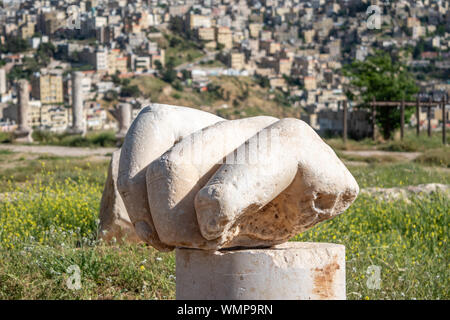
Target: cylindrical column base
(290, 271)
(23, 135)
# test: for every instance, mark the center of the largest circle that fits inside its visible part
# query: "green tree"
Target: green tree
(130, 91)
(116, 79)
(385, 78)
(158, 65)
(24, 70)
(440, 30)
(186, 74)
(169, 74)
(112, 95)
(177, 85)
(44, 53)
(263, 82)
(220, 46)
(14, 45)
(418, 49)
(177, 25)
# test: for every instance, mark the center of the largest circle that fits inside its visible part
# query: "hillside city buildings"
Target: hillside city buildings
(297, 47)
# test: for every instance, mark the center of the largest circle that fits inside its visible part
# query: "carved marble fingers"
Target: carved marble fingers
(191, 179)
(152, 133)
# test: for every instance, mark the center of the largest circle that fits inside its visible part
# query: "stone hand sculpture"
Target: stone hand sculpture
(191, 179)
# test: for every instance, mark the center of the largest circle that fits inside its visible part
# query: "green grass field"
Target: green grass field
(411, 142)
(49, 216)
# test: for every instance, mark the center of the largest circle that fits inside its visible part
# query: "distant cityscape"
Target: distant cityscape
(126, 54)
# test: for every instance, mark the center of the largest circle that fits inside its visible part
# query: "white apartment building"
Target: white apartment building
(101, 60)
(3, 87)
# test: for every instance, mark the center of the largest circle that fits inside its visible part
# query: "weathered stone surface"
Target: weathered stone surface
(297, 182)
(404, 193)
(114, 219)
(278, 179)
(156, 129)
(174, 179)
(290, 271)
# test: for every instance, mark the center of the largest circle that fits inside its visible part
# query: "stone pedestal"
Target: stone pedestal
(290, 271)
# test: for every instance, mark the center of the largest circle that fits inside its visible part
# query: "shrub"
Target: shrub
(5, 137)
(74, 141)
(101, 139)
(104, 139)
(440, 157)
(46, 136)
